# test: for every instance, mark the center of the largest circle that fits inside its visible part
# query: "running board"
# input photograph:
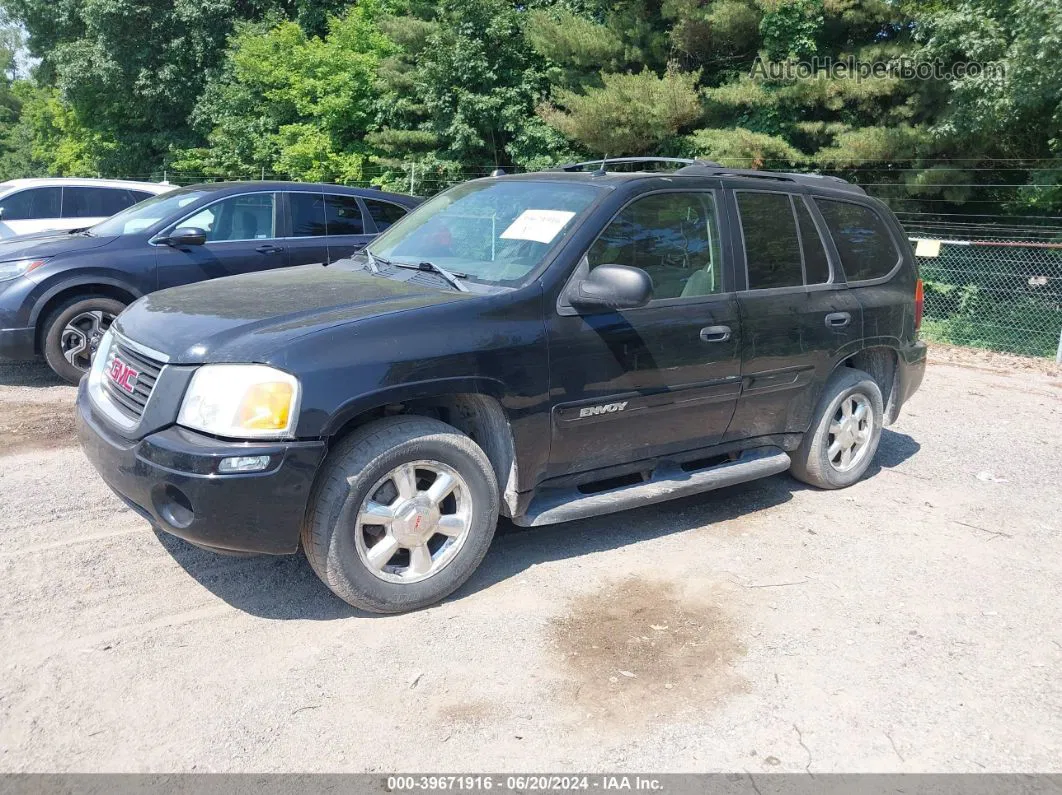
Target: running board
(668, 481)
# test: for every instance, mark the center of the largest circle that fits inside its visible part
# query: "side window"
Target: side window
(816, 265)
(673, 237)
(31, 204)
(862, 239)
(343, 215)
(248, 217)
(83, 202)
(383, 213)
(772, 248)
(137, 196)
(307, 214)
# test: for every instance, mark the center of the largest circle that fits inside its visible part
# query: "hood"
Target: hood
(248, 318)
(47, 244)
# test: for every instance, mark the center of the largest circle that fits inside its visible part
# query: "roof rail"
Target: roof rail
(707, 168)
(780, 176)
(606, 161)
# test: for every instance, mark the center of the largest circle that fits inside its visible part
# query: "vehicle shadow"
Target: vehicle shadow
(36, 373)
(286, 587)
(893, 450)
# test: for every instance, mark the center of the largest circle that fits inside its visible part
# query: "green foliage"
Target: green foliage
(792, 28)
(580, 44)
(292, 104)
(743, 148)
(631, 114)
(334, 90)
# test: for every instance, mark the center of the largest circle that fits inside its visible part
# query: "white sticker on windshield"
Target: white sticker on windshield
(539, 225)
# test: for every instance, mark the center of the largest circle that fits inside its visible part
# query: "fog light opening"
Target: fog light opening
(243, 463)
(173, 506)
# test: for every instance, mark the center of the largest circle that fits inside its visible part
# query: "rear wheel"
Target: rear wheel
(403, 513)
(845, 433)
(73, 332)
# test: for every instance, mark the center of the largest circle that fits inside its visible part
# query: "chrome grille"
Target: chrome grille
(131, 404)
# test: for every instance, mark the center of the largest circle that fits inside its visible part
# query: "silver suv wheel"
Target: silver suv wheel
(850, 433)
(413, 522)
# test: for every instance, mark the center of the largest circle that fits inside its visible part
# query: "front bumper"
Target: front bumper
(170, 478)
(17, 345)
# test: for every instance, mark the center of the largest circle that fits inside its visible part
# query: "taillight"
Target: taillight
(920, 302)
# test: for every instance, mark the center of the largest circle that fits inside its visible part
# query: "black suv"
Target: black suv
(60, 291)
(543, 346)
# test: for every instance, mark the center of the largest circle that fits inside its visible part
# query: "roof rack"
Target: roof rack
(606, 161)
(780, 176)
(694, 167)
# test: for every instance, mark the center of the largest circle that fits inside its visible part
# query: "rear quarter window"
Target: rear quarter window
(863, 241)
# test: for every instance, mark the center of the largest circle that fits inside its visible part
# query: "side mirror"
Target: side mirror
(611, 287)
(185, 236)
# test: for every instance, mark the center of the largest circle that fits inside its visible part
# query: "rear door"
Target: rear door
(383, 213)
(241, 233)
(349, 231)
(869, 250)
(31, 210)
(88, 205)
(797, 315)
(643, 383)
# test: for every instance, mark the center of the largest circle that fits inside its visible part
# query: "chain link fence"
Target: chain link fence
(1004, 295)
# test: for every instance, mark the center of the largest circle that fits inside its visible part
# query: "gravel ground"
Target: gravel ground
(910, 623)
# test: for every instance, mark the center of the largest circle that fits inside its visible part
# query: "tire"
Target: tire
(72, 332)
(813, 463)
(370, 463)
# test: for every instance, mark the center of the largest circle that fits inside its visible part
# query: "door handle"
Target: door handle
(269, 249)
(715, 333)
(838, 320)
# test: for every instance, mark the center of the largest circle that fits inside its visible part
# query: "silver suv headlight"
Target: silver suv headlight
(241, 401)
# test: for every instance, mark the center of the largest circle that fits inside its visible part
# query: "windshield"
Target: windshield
(146, 214)
(491, 231)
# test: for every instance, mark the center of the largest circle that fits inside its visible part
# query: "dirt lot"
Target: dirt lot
(910, 623)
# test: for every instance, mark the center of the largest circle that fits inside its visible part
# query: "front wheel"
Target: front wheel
(844, 435)
(404, 511)
(73, 332)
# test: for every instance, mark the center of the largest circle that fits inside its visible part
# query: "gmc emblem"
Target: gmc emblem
(122, 374)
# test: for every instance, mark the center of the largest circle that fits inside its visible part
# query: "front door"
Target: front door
(644, 383)
(797, 316)
(241, 238)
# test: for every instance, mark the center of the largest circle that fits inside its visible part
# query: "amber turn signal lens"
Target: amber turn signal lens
(266, 407)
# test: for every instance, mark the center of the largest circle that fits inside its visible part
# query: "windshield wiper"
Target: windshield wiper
(431, 267)
(373, 259)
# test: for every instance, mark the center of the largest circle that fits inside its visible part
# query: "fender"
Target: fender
(61, 284)
(412, 390)
(887, 376)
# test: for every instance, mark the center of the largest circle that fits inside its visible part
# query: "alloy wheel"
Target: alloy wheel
(413, 521)
(850, 433)
(81, 337)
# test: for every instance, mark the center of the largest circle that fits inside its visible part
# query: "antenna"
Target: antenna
(601, 171)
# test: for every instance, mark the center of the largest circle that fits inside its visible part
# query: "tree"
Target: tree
(631, 114)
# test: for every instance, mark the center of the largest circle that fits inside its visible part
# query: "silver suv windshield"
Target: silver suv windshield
(492, 231)
(146, 213)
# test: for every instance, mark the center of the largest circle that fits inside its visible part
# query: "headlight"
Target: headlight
(99, 361)
(241, 401)
(18, 267)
